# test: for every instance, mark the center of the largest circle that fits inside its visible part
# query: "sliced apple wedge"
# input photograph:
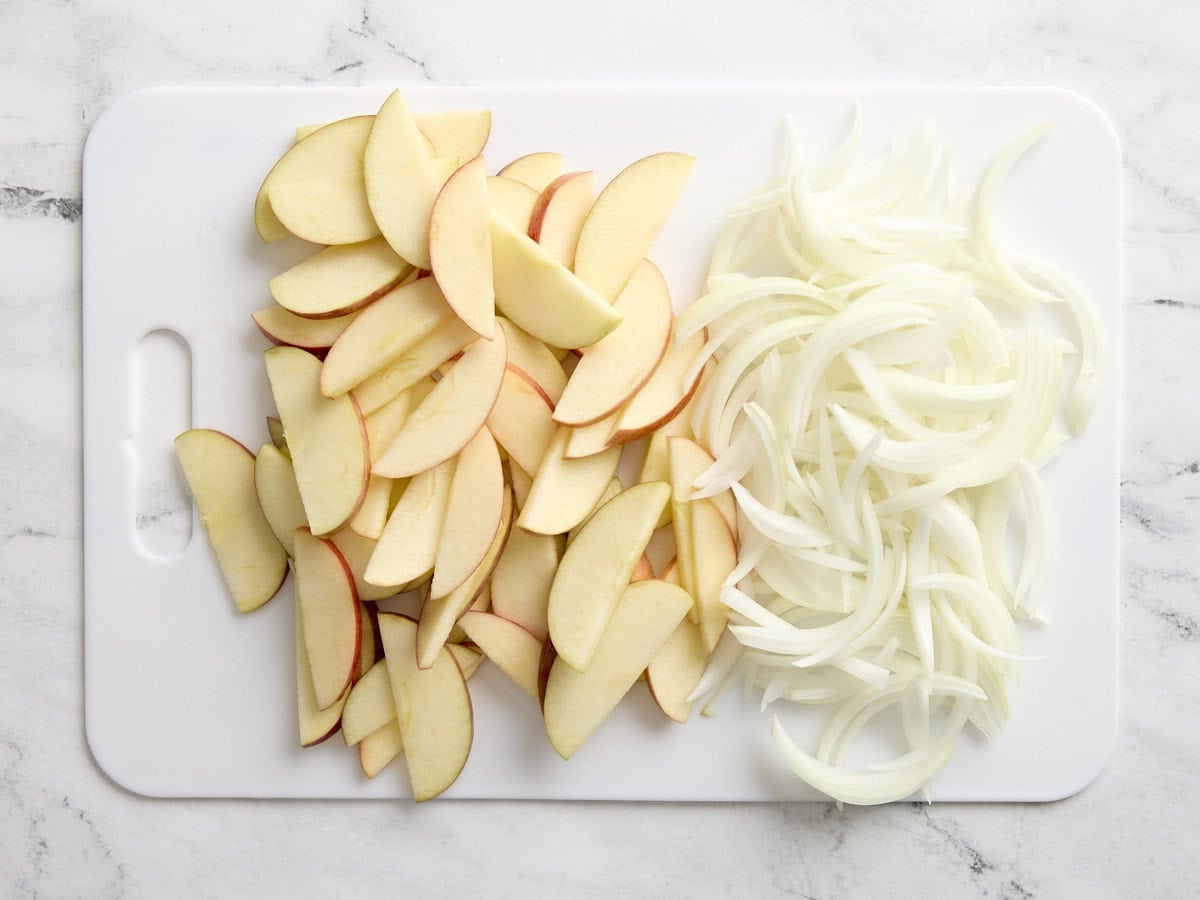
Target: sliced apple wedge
(664, 394)
(278, 495)
(522, 481)
(338, 280)
(588, 440)
(357, 551)
(369, 705)
(379, 748)
(625, 219)
(535, 359)
(611, 490)
(382, 333)
(473, 513)
(611, 371)
(576, 702)
(565, 490)
(596, 568)
(433, 709)
(315, 724)
(281, 327)
(676, 669)
(327, 604)
(327, 439)
(460, 247)
(372, 513)
(535, 169)
(367, 645)
(521, 419)
(541, 295)
(330, 208)
(278, 438)
(522, 579)
(384, 424)
(643, 571)
(468, 659)
(513, 649)
(714, 555)
(558, 216)
(413, 365)
(408, 546)
(453, 412)
(692, 461)
(221, 475)
(460, 133)
(512, 200)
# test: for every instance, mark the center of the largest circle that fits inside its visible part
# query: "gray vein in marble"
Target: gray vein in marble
(18, 202)
(980, 868)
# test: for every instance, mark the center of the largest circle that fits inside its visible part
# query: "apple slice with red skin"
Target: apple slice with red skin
(676, 669)
(565, 490)
(357, 551)
(559, 213)
(536, 170)
(522, 419)
(512, 200)
(460, 247)
(714, 554)
(338, 280)
(283, 328)
(413, 366)
(408, 546)
(315, 724)
(221, 475)
(643, 571)
(369, 705)
(611, 490)
(473, 513)
(460, 133)
(522, 482)
(328, 607)
(330, 208)
(514, 650)
(665, 393)
(278, 495)
(380, 747)
(522, 579)
(535, 359)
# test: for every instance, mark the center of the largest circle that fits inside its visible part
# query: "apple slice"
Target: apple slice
(408, 546)
(522, 580)
(382, 333)
(330, 208)
(535, 359)
(327, 439)
(541, 295)
(460, 133)
(220, 473)
(625, 219)
(611, 490)
(596, 568)
(512, 200)
(468, 659)
(610, 372)
(588, 440)
(332, 149)
(357, 551)
(473, 513)
(385, 423)
(714, 555)
(460, 247)
(665, 393)
(433, 709)
(521, 419)
(452, 413)
(513, 649)
(693, 461)
(372, 513)
(278, 495)
(643, 571)
(413, 365)
(559, 214)
(675, 670)
(315, 724)
(367, 653)
(535, 169)
(338, 280)
(328, 608)
(576, 702)
(565, 490)
(369, 705)
(281, 327)
(379, 748)
(278, 438)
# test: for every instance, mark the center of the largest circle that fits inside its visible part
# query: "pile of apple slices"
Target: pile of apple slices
(457, 374)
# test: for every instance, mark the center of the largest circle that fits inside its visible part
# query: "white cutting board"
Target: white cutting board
(184, 697)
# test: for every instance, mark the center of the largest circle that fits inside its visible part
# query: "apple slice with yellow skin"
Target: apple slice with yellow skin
(535, 359)
(433, 709)
(281, 327)
(667, 391)
(278, 495)
(541, 296)
(521, 482)
(357, 551)
(415, 364)
(327, 439)
(473, 513)
(535, 169)
(338, 280)
(383, 332)
(328, 607)
(596, 568)
(576, 702)
(521, 419)
(380, 747)
(461, 133)
(625, 219)
(221, 475)
(522, 579)
(565, 490)
(330, 208)
(408, 546)
(514, 650)
(676, 669)
(439, 614)
(714, 554)
(315, 724)
(611, 490)
(332, 149)
(610, 372)
(559, 213)
(452, 414)
(460, 247)
(369, 706)
(512, 200)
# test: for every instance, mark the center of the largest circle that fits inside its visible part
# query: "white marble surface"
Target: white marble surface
(66, 831)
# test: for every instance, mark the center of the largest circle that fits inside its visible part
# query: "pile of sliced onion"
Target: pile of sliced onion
(883, 394)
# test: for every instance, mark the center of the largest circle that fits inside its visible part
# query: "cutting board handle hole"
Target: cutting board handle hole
(161, 400)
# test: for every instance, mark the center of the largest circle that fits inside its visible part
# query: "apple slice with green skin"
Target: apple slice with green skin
(330, 208)
(413, 365)
(380, 747)
(665, 393)
(283, 328)
(535, 169)
(338, 280)
(452, 414)
(541, 296)
(558, 216)
(596, 568)
(315, 724)
(521, 419)
(473, 513)
(460, 247)
(625, 219)
(408, 546)
(332, 149)
(522, 579)
(512, 200)
(577, 702)
(369, 705)
(433, 709)
(327, 439)
(220, 474)
(382, 333)
(714, 554)
(460, 133)
(565, 490)
(610, 372)
(535, 359)
(328, 607)
(676, 669)
(514, 650)
(278, 495)
(439, 614)
(611, 490)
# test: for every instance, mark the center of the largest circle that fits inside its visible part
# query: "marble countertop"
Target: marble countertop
(66, 830)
